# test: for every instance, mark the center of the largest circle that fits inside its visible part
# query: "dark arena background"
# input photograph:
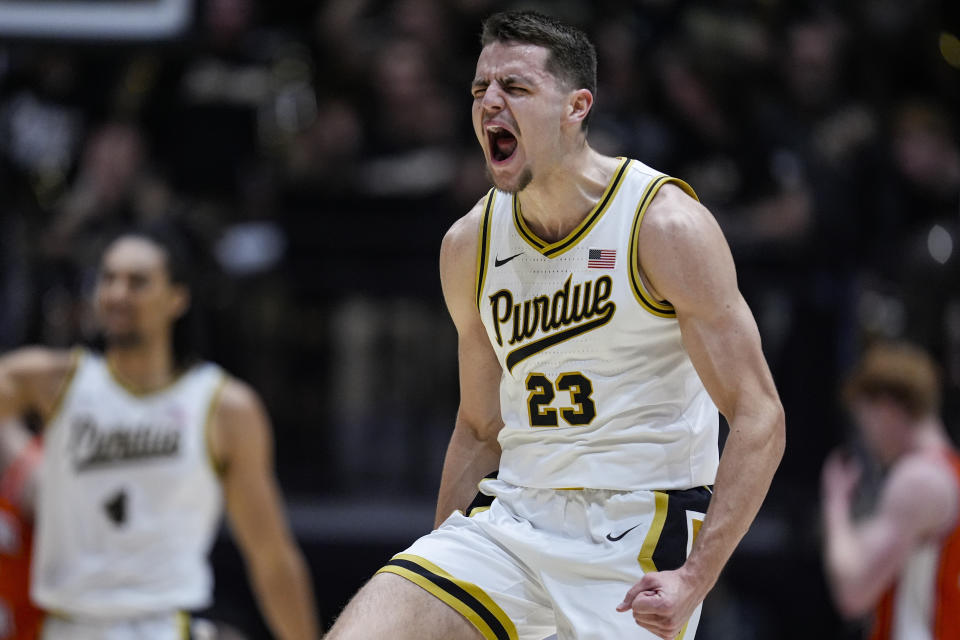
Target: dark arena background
(317, 151)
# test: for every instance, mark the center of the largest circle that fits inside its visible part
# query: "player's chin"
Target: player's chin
(510, 179)
(122, 338)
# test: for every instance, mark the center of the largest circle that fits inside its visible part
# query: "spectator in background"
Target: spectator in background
(413, 124)
(42, 119)
(800, 227)
(114, 187)
(920, 207)
(902, 560)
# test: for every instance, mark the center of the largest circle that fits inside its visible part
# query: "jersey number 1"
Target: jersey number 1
(542, 393)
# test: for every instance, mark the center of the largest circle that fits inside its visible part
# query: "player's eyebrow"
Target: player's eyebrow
(514, 79)
(505, 81)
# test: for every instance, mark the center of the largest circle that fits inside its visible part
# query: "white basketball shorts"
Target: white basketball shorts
(539, 562)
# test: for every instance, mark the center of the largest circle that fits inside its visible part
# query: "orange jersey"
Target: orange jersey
(19, 619)
(924, 603)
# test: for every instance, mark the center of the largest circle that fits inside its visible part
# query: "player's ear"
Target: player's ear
(579, 105)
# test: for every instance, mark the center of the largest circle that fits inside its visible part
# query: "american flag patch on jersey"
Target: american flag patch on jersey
(602, 258)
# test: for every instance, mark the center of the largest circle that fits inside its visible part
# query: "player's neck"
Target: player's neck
(145, 368)
(557, 201)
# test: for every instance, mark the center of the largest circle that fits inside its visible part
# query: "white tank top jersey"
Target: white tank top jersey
(916, 595)
(597, 390)
(130, 501)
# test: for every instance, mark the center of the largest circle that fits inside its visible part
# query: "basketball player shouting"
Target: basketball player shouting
(142, 445)
(600, 329)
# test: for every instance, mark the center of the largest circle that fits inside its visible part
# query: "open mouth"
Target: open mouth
(503, 144)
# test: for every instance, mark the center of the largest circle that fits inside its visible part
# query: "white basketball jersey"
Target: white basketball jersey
(916, 595)
(129, 502)
(597, 389)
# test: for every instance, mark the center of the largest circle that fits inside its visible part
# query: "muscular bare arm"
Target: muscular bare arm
(918, 504)
(685, 260)
(32, 379)
(473, 451)
(242, 444)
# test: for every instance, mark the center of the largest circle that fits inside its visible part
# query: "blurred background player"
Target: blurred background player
(143, 445)
(20, 619)
(902, 559)
(19, 468)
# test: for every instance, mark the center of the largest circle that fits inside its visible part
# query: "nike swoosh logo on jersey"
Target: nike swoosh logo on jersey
(497, 262)
(614, 539)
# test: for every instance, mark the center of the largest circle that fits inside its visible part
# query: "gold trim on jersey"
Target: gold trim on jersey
(645, 558)
(553, 249)
(77, 354)
(183, 625)
(483, 245)
(130, 388)
(659, 308)
(477, 510)
(218, 467)
(466, 598)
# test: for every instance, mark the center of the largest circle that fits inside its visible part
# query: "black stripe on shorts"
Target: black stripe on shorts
(457, 592)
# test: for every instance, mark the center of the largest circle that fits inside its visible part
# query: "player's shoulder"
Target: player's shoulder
(921, 472)
(37, 377)
(923, 487)
(38, 360)
(41, 369)
(458, 252)
(675, 213)
(237, 397)
(240, 417)
(464, 232)
(240, 424)
(683, 252)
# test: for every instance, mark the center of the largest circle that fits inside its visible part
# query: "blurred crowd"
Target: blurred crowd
(315, 153)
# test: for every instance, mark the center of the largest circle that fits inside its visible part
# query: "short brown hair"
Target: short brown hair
(899, 371)
(572, 59)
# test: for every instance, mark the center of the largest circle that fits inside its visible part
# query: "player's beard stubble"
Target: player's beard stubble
(523, 181)
(122, 340)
